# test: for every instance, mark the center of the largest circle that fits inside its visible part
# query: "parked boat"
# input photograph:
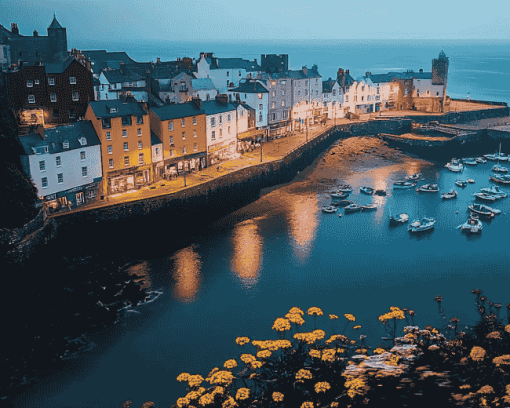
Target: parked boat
(429, 188)
(455, 166)
(398, 219)
(484, 209)
(481, 160)
(470, 181)
(342, 203)
(345, 188)
(499, 169)
(368, 207)
(380, 192)
(403, 185)
(470, 161)
(491, 157)
(461, 183)
(367, 190)
(495, 191)
(413, 177)
(485, 196)
(352, 208)
(501, 178)
(329, 209)
(339, 194)
(450, 194)
(426, 224)
(472, 225)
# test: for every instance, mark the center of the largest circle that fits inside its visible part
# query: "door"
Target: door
(80, 198)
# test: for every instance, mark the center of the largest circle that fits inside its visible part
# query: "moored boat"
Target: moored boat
(472, 225)
(367, 190)
(470, 181)
(501, 178)
(329, 209)
(339, 194)
(485, 196)
(450, 194)
(368, 207)
(480, 160)
(352, 208)
(345, 188)
(499, 169)
(470, 161)
(398, 219)
(495, 191)
(455, 166)
(484, 210)
(426, 224)
(413, 177)
(342, 203)
(380, 192)
(429, 188)
(403, 185)
(461, 183)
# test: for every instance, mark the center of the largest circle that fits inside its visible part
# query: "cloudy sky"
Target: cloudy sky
(262, 19)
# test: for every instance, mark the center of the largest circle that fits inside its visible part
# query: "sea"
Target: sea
(250, 267)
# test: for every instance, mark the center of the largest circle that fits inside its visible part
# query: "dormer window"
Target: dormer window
(113, 110)
(83, 141)
(65, 144)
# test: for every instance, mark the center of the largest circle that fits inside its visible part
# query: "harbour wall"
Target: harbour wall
(463, 116)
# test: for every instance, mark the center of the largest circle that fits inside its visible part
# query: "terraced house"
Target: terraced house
(114, 82)
(123, 129)
(182, 131)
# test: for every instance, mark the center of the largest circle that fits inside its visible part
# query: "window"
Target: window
(195, 147)
(346, 98)
(42, 165)
(227, 73)
(84, 171)
(377, 90)
(65, 144)
(72, 80)
(194, 120)
(362, 98)
(260, 96)
(157, 151)
(58, 161)
(171, 140)
(229, 129)
(51, 81)
(139, 120)
(228, 118)
(126, 161)
(273, 106)
(172, 153)
(31, 99)
(126, 146)
(170, 126)
(110, 151)
(334, 92)
(239, 73)
(283, 103)
(139, 132)
(30, 83)
(184, 150)
(306, 82)
(113, 110)
(428, 93)
(53, 97)
(82, 155)
(71, 113)
(283, 93)
(76, 97)
(363, 88)
(108, 135)
(299, 92)
(44, 182)
(260, 107)
(140, 145)
(110, 163)
(126, 120)
(36, 82)
(274, 116)
(274, 93)
(221, 132)
(60, 178)
(260, 118)
(213, 136)
(283, 82)
(285, 114)
(213, 122)
(107, 124)
(124, 133)
(183, 122)
(306, 92)
(141, 159)
(194, 133)
(220, 120)
(56, 113)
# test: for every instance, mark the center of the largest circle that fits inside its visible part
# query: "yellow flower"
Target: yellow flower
(303, 374)
(353, 341)
(192, 395)
(334, 404)
(218, 390)
(264, 354)
(486, 389)
(322, 387)
(357, 327)
(337, 337)
(307, 404)
(230, 363)
(308, 338)
(507, 328)
(284, 344)
(270, 345)
(278, 396)
(242, 393)
(183, 377)
(195, 380)
(477, 353)
(211, 373)
(379, 350)
(494, 335)
(246, 358)
(206, 399)
(229, 403)
(222, 378)
(502, 360)
(281, 324)
(182, 402)
(315, 353)
(319, 334)
(328, 355)
(393, 361)
(333, 316)
(242, 340)
(465, 386)
(252, 376)
(315, 311)
(354, 386)
(350, 317)
(255, 364)
(295, 318)
(295, 310)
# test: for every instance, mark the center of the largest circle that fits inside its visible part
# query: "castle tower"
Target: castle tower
(58, 34)
(440, 74)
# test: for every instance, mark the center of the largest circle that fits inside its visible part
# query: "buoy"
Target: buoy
(456, 212)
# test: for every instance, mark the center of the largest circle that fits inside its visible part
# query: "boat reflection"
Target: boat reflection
(247, 255)
(302, 217)
(186, 274)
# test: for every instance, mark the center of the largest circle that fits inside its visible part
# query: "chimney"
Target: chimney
(197, 101)
(158, 60)
(36, 34)
(346, 71)
(39, 130)
(14, 28)
(368, 73)
(222, 98)
(421, 70)
(305, 70)
(256, 61)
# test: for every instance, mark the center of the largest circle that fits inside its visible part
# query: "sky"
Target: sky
(175, 20)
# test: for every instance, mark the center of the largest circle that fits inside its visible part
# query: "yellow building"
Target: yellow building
(124, 132)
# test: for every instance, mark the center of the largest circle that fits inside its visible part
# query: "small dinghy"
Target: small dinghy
(344, 188)
(429, 188)
(413, 177)
(403, 185)
(398, 219)
(367, 190)
(470, 161)
(495, 191)
(501, 178)
(342, 203)
(461, 183)
(329, 209)
(339, 194)
(491, 157)
(480, 160)
(380, 192)
(472, 225)
(485, 196)
(426, 224)
(352, 208)
(470, 181)
(484, 210)
(450, 194)
(455, 166)
(499, 169)
(368, 207)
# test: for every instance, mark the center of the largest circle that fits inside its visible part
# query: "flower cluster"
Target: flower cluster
(295, 318)
(303, 374)
(230, 363)
(322, 387)
(242, 393)
(395, 313)
(281, 324)
(223, 378)
(277, 396)
(350, 317)
(337, 338)
(315, 311)
(242, 340)
(195, 380)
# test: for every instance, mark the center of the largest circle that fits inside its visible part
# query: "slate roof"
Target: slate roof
(55, 136)
(213, 107)
(249, 87)
(400, 75)
(180, 110)
(233, 63)
(202, 84)
(58, 67)
(116, 75)
(103, 59)
(327, 86)
(243, 104)
(54, 23)
(154, 139)
(102, 108)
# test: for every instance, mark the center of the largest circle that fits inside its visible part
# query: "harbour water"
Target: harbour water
(252, 266)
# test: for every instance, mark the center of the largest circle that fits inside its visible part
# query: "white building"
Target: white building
(332, 99)
(157, 156)
(64, 163)
(255, 95)
(112, 82)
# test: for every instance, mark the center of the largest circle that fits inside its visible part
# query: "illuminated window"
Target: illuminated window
(260, 96)
(108, 136)
(110, 163)
(126, 161)
(76, 97)
(31, 99)
(125, 146)
(51, 81)
(30, 83)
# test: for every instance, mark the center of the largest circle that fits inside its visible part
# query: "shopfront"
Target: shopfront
(129, 179)
(73, 197)
(192, 162)
(280, 129)
(247, 141)
(220, 152)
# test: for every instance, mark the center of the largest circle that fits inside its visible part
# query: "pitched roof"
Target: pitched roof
(213, 107)
(55, 23)
(243, 104)
(180, 110)
(102, 59)
(57, 67)
(250, 87)
(400, 75)
(202, 84)
(233, 63)
(55, 136)
(116, 75)
(102, 108)
(327, 86)
(154, 139)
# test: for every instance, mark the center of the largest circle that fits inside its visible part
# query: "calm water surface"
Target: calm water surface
(281, 251)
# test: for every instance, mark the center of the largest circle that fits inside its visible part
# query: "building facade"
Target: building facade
(253, 93)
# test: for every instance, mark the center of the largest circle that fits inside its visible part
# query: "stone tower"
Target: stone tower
(440, 74)
(58, 35)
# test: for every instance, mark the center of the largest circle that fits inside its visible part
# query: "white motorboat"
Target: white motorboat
(352, 208)
(499, 169)
(429, 188)
(339, 194)
(368, 207)
(367, 190)
(455, 166)
(461, 183)
(484, 210)
(470, 161)
(398, 219)
(472, 225)
(426, 224)
(495, 191)
(481, 160)
(501, 178)
(403, 185)
(485, 196)
(329, 209)
(413, 177)
(450, 194)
